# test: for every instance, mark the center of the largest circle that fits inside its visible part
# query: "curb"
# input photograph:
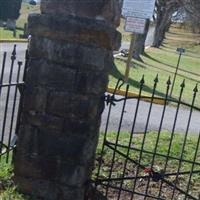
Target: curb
(156, 100)
(13, 40)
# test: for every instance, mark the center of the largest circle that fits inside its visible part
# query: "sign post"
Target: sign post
(181, 51)
(138, 8)
(136, 12)
(134, 25)
(128, 64)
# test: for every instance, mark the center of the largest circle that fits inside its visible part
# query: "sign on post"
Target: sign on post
(136, 12)
(135, 25)
(180, 50)
(138, 8)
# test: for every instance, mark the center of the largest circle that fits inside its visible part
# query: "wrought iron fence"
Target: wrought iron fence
(140, 161)
(11, 85)
(137, 160)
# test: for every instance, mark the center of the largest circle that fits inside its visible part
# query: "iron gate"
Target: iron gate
(135, 164)
(144, 163)
(11, 86)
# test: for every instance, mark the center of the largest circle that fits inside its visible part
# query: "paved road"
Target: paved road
(8, 95)
(155, 118)
(130, 108)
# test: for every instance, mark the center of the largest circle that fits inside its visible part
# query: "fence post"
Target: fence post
(67, 74)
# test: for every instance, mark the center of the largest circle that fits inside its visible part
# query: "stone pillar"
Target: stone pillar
(67, 75)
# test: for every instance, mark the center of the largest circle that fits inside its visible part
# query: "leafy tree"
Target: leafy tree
(9, 9)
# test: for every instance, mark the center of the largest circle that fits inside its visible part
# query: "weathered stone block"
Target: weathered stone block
(71, 54)
(104, 10)
(43, 73)
(85, 127)
(58, 103)
(48, 122)
(91, 83)
(48, 190)
(50, 145)
(52, 170)
(83, 31)
(27, 140)
(35, 99)
(66, 104)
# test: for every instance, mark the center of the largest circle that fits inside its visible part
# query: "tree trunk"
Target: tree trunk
(140, 39)
(67, 75)
(163, 22)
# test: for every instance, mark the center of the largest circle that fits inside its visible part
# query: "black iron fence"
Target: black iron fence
(11, 86)
(148, 151)
(141, 161)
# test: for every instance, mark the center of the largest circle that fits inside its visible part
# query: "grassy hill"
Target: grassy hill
(163, 62)
(26, 9)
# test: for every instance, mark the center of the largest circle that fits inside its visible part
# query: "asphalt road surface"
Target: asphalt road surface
(7, 96)
(155, 118)
(141, 121)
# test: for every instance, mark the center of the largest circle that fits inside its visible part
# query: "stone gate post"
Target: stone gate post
(67, 75)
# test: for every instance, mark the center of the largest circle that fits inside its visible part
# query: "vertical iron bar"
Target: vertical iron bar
(172, 134)
(2, 70)
(13, 110)
(13, 57)
(21, 90)
(26, 65)
(159, 131)
(185, 139)
(106, 129)
(193, 164)
(104, 140)
(131, 135)
(144, 137)
(176, 72)
(117, 139)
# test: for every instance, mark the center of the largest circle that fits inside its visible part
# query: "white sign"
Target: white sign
(138, 8)
(135, 25)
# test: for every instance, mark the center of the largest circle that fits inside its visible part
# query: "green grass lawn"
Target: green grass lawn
(9, 191)
(146, 160)
(7, 34)
(26, 9)
(163, 62)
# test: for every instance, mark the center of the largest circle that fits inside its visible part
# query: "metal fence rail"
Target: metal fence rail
(11, 83)
(154, 164)
(132, 164)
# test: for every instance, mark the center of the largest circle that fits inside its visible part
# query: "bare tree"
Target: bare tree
(192, 7)
(163, 14)
(192, 10)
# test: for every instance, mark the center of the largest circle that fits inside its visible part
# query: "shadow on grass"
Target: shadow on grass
(117, 74)
(156, 60)
(189, 53)
(172, 67)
